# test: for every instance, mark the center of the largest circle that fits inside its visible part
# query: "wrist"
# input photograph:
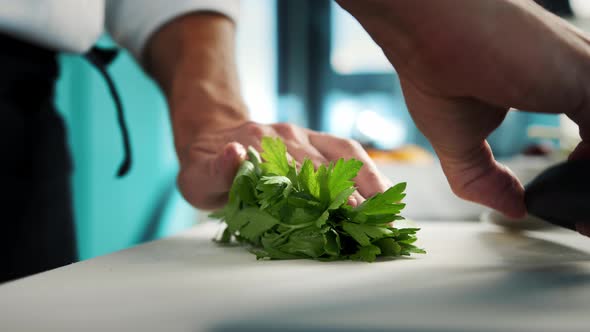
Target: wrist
(200, 45)
(200, 108)
(192, 60)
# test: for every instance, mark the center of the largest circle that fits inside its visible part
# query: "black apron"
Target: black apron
(36, 218)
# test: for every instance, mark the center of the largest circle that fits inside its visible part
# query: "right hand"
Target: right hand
(463, 64)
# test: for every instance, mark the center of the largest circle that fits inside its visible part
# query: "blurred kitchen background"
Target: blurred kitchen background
(306, 62)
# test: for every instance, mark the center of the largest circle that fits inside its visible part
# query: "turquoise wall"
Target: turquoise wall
(112, 214)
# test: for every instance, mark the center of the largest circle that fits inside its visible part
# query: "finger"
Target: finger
(208, 178)
(301, 152)
(250, 134)
(298, 144)
(355, 199)
(582, 117)
(300, 147)
(474, 175)
(457, 129)
(369, 180)
(226, 165)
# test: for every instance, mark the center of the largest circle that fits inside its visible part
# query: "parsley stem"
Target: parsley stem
(291, 230)
(294, 227)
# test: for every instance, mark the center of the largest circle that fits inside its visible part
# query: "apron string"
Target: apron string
(100, 58)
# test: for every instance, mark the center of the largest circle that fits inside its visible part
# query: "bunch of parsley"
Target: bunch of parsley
(285, 213)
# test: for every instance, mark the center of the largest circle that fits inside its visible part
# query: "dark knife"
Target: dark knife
(561, 194)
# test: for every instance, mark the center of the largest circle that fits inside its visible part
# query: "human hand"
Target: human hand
(209, 164)
(463, 64)
(192, 59)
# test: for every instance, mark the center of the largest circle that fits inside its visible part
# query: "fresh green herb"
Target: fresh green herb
(285, 213)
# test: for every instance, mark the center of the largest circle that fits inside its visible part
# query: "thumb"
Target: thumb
(225, 166)
(581, 117)
(457, 129)
(474, 175)
(206, 180)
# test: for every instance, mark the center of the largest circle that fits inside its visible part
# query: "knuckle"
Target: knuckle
(253, 129)
(465, 187)
(372, 177)
(351, 145)
(286, 130)
(458, 190)
(317, 161)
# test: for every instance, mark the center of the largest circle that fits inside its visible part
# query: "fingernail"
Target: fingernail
(241, 151)
(232, 150)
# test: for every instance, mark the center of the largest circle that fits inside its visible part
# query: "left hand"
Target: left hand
(210, 162)
(192, 58)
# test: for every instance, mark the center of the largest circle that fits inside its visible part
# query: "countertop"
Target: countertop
(475, 277)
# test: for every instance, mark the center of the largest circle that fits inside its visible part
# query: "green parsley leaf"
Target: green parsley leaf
(389, 247)
(286, 213)
(332, 243)
(275, 156)
(308, 181)
(307, 242)
(341, 175)
(367, 253)
(365, 234)
(273, 189)
(382, 207)
(252, 223)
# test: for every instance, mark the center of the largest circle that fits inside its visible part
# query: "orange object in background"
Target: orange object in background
(410, 154)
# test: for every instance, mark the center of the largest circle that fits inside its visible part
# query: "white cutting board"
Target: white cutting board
(474, 278)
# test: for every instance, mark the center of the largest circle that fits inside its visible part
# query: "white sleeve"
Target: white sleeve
(61, 25)
(132, 22)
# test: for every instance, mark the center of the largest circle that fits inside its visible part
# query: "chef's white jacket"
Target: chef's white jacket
(75, 25)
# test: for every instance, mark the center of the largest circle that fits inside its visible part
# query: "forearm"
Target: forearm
(391, 24)
(193, 60)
